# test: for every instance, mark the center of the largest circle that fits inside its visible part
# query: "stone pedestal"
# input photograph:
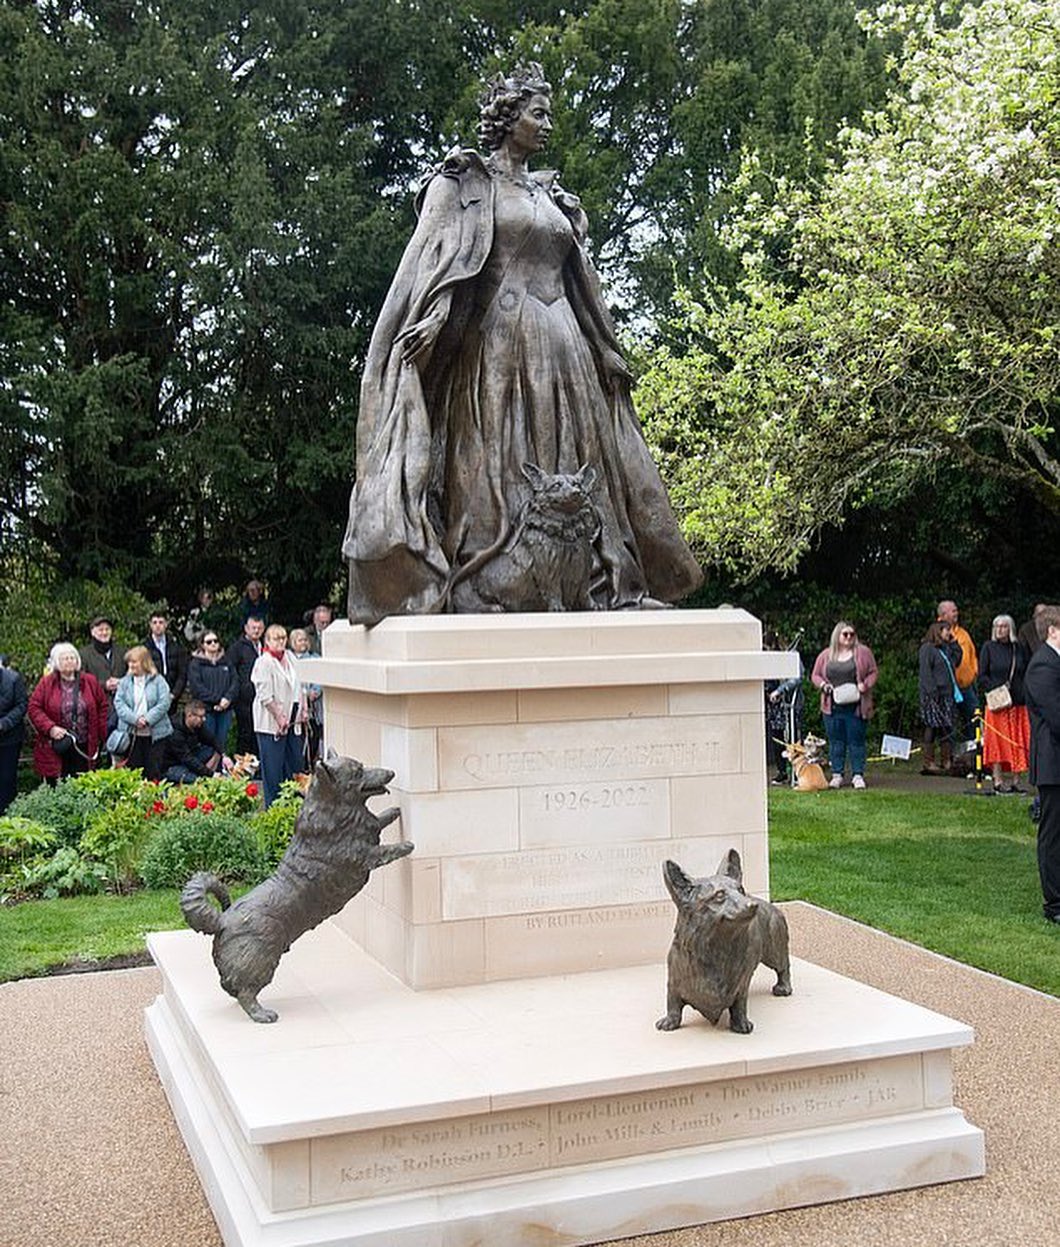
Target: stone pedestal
(546, 766)
(467, 1053)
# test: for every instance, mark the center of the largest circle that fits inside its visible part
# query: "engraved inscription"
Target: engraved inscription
(583, 918)
(512, 883)
(613, 753)
(429, 1154)
(594, 813)
(577, 877)
(603, 1129)
(373, 1162)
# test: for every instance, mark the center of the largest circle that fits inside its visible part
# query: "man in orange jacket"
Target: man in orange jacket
(966, 673)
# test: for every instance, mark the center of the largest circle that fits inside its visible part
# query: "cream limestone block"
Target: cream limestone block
(434, 709)
(565, 753)
(350, 736)
(576, 877)
(659, 1120)
(737, 698)
(753, 729)
(454, 823)
(387, 935)
(548, 705)
(527, 945)
(352, 919)
(289, 1171)
(424, 1155)
(754, 858)
(708, 803)
(412, 754)
(938, 1078)
(444, 954)
(412, 889)
(594, 813)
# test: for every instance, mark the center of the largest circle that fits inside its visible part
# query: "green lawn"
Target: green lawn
(956, 874)
(39, 934)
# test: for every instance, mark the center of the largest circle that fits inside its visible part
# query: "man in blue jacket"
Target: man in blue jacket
(1042, 689)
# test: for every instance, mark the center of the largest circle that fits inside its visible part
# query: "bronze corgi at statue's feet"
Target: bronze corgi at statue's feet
(334, 848)
(720, 937)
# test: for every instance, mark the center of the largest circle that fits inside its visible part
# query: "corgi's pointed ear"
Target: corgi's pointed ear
(678, 884)
(538, 480)
(730, 865)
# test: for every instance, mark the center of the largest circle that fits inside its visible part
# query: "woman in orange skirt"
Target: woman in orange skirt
(1006, 730)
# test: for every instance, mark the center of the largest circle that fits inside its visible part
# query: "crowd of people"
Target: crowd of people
(962, 689)
(167, 705)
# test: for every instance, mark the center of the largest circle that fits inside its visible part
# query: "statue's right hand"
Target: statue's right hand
(419, 337)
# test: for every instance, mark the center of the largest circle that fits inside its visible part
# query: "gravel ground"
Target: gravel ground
(90, 1157)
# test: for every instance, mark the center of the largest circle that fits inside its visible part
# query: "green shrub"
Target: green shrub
(113, 785)
(117, 837)
(219, 843)
(23, 844)
(65, 873)
(66, 810)
(273, 827)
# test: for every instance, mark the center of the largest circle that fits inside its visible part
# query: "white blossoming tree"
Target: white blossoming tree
(904, 312)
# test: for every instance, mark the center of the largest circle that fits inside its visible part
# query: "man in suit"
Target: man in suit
(13, 702)
(169, 656)
(1041, 686)
(243, 653)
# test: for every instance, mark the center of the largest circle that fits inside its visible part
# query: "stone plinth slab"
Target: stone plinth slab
(375, 1114)
(545, 767)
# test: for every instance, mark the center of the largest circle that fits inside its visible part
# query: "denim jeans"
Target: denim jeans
(218, 722)
(846, 731)
(280, 759)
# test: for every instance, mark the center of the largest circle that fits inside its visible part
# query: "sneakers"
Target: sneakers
(858, 781)
(836, 781)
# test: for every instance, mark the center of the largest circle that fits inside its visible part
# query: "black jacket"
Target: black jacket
(13, 702)
(1041, 686)
(242, 655)
(175, 668)
(995, 663)
(210, 681)
(935, 678)
(182, 743)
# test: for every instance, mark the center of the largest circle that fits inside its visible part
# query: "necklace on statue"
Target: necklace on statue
(523, 181)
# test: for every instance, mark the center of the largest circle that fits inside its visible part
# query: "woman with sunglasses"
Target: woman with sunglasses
(845, 672)
(213, 680)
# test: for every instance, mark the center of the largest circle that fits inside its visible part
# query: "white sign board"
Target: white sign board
(896, 747)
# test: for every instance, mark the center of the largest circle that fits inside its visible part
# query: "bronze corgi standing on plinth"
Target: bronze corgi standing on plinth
(720, 937)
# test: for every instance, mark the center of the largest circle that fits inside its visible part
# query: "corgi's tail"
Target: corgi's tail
(198, 912)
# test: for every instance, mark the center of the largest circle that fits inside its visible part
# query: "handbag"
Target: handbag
(120, 742)
(845, 695)
(1000, 698)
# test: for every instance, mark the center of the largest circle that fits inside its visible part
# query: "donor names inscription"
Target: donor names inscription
(386, 1160)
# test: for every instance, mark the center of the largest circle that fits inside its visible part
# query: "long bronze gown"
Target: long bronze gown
(515, 378)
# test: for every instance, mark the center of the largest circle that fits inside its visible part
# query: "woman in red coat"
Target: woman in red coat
(68, 708)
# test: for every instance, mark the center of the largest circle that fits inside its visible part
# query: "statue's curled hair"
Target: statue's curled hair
(504, 98)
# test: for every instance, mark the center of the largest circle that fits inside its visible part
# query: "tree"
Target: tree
(656, 100)
(202, 206)
(899, 318)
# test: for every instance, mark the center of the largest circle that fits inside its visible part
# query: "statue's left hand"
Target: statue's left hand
(616, 370)
(418, 339)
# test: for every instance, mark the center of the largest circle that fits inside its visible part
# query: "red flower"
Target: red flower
(159, 807)
(252, 790)
(207, 806)
(191, 803)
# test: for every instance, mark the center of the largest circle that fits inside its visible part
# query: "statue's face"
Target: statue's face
(533, 125)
